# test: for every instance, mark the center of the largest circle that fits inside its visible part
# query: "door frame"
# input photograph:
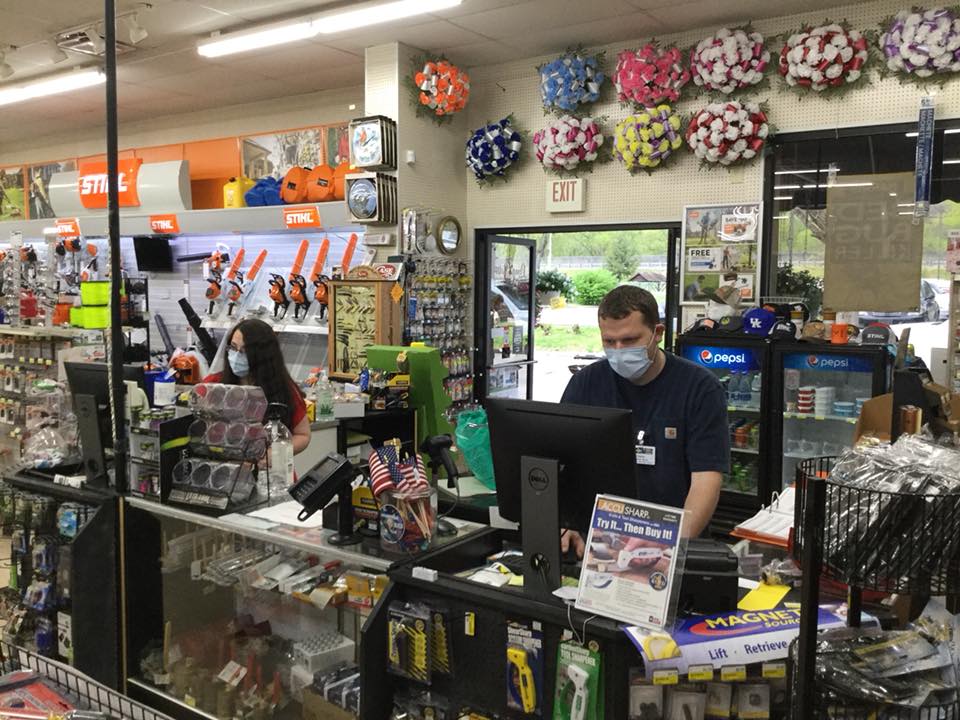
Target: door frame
(481, 253)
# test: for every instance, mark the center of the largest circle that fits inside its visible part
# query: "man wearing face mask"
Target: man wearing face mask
(679, 409)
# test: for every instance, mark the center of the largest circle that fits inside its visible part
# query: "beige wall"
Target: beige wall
(318, 108)
(615, 196)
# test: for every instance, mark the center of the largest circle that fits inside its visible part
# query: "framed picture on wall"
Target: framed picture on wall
(362, 313)
(720, 253)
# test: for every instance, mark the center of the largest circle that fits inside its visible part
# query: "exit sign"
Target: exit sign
(565, 195)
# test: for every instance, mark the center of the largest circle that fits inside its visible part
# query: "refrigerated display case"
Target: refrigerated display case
(742, 364)
(818, 392)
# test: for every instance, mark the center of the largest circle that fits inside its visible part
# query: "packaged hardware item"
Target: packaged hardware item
(525, 661)
(646, 700)
(409, 645)
(579, 687)
(442, 642)
(683, 704)
(753, 702)
(719, 703)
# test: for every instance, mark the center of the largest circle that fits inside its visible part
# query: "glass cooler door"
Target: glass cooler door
(740, 369)
(822, 393)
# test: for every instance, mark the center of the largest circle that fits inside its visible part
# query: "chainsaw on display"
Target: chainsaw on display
(278, 285)
(213, 273)
(348, 255)
(318, 280)
(242, 280)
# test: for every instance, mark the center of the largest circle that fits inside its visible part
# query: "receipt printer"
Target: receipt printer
(710, 580)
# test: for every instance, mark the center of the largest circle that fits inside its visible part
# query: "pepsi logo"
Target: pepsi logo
(813, 360)
(706, 356)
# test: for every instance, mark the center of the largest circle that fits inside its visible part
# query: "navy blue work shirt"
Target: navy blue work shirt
(682, 413)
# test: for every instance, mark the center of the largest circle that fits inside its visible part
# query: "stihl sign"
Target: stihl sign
(164, 224)
(68, 228)
(304, 216)
(92, 184)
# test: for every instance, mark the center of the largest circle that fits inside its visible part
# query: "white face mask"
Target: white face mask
(238, 363)
(631, 363)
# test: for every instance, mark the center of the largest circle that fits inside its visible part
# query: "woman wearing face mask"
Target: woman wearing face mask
(679, 408)
(254, 358)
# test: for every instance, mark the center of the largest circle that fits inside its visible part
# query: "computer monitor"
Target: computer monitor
(550, 463)
(90, 387)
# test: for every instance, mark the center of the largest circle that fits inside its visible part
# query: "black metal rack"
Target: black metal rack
(869, 540)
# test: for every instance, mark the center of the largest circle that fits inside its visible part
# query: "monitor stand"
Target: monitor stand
(540, 525)
(94, 460)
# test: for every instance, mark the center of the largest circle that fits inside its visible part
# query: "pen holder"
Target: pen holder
(408, 519)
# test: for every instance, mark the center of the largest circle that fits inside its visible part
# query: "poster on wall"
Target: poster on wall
(720, 247)
(873, 249)
(336, 144)
(354, 327)
(12, 201)
(39, 187)
(275, 153)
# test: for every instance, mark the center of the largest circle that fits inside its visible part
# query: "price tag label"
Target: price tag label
(666, 677)
(733, 673)
(161, 679)
(774, 670)
(469, 624)
(232, 673)
(700, 673)
(190, 700)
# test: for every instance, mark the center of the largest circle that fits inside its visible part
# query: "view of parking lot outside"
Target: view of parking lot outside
(592, 263)
(801, 257)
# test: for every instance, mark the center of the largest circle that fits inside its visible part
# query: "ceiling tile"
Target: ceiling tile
(428, 36)
(198, 82)
(263, 9)
(484, 53)
(471, 7)
(598, 32)
(541, 14)
(152, 67)
(285, 64)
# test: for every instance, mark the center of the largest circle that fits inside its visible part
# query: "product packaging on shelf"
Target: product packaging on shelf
(525, 661)
(409, 642)
(579, 684)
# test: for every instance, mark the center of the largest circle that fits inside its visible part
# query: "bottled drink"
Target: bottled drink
(280, 471)
(733, 392)
(756, 390)
(324, 397)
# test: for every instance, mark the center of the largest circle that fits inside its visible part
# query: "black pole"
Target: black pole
(113, 220)
(814, 513)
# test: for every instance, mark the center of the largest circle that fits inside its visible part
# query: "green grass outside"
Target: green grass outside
(560, 337)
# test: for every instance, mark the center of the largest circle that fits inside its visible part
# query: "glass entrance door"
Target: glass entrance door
(505, 315)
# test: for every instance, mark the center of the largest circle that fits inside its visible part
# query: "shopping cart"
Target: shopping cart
(92, 700)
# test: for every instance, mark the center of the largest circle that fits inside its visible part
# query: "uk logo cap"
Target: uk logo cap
(759, 321)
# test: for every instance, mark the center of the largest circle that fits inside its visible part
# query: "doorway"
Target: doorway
(537, 295)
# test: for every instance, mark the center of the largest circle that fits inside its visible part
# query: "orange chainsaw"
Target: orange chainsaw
(241, 280)
(318, 279)
(214, 268)
(278, 285)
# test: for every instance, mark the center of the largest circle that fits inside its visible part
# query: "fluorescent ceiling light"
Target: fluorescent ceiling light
(904, 204)
(955, 161)
(850, 184)
(800, 172)
(51, 86)
(256, 39)
(909, 212)
(787, 187)
(307, 27)
(376, 13)
(783, 197)
(949, 131)
(781, 217)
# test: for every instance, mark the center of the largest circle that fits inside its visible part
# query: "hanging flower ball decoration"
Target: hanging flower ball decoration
(729, 60)
(724, 133)
(646, 140)
(443, 88)
(922, 43)
(492, 149)
(567, 142)
(649, 75)
(824, 58)
(570, 81)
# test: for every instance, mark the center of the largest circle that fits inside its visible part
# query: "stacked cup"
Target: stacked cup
(825, 398)
(806, 397)
(859, 405)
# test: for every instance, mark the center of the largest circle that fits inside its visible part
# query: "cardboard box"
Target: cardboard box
(316, 708)
(877, 415)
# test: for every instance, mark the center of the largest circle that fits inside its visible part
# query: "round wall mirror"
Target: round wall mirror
(449, 232)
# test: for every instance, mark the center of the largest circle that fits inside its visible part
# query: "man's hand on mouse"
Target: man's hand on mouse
(572, 539)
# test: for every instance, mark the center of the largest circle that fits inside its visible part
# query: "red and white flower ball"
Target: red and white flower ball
(727, 132)
(648, 76)
(823, 57)
(568, 141)
(729, 60)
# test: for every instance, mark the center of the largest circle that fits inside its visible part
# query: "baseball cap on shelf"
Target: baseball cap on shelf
(814, 331)
(784, 330)
(878, 334)
(759, 321)
(703, 325)
(730, 324)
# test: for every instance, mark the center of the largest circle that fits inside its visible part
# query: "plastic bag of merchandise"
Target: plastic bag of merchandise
(473, 440)
(45, 448)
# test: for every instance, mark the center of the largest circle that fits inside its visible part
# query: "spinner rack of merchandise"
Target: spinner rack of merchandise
(953, 336)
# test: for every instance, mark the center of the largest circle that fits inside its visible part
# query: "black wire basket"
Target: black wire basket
(885, 541)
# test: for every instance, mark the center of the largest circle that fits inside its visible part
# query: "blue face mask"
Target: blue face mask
(238, 363)
(632, 362)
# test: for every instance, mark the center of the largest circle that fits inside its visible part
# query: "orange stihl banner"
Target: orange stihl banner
(164, 224)
(93, 184)
(68, 228)
(301, 216)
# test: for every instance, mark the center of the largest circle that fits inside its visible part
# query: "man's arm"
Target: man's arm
(701, 501)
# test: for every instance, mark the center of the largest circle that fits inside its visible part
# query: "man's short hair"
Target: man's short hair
(623, 300)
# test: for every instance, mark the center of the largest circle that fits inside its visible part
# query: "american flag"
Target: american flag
(387, 472)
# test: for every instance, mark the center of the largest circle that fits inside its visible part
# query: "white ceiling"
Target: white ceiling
(166, 76)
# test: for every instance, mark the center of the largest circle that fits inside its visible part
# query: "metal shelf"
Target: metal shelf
(811, 416)
(286, 326)
(745, 451)
(742, 408)
(64, 332)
